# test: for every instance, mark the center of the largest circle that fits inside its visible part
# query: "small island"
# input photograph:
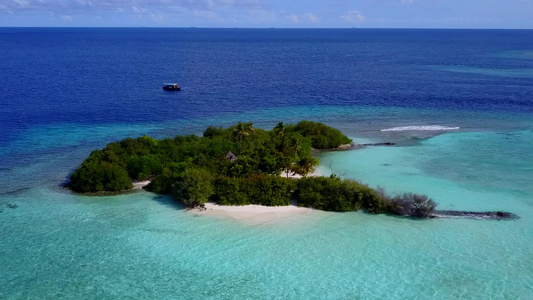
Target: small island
(241, 165)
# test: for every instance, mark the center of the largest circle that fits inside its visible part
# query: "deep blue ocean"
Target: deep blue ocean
(457, 103)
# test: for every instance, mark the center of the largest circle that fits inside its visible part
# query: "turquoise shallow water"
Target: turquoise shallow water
(134, 246)
(139, 245)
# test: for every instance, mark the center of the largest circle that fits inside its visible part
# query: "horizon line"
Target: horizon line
(271, 27)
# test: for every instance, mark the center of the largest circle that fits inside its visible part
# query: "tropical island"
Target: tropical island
(241, 165)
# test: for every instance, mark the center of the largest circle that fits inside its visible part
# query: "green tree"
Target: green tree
(230, 191)
(296, 148)
(306, 165)
(280, 130)
(242, 130)
(194, 187)
(99, 176)
(321, 135)
(213, 131)
(279, 134)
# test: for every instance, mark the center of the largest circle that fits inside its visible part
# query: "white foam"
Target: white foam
(421, 128)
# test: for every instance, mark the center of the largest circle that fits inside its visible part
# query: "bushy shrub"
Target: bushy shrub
(116, 179)
(193, 187)
(267, 190)
(328, 193)
(334, 194)
(228, 191)
(257, 189)
(414, 205)
(162, 183)
(95, 176)
(143, 167)
(374, 201)
(244, 166)
(321, 135)
(213, 131)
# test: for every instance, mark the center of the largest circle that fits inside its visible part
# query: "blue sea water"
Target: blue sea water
(457, 103)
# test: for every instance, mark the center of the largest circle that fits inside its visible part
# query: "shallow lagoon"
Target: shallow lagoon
(140, 244)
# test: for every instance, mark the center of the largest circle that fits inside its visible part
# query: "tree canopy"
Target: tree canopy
(237, 166)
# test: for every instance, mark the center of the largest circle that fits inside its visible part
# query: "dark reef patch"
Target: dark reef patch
(488, 215)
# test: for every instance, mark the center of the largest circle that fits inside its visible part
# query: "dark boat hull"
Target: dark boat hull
(169, 88)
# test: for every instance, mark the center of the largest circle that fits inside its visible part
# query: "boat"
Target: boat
(171, 87)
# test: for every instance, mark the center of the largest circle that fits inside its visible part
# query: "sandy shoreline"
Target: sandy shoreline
(140, 184)
(252, 214)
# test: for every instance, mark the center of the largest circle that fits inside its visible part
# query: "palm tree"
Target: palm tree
(249, 127)
(242, 130)
(306, 165)
(280, 130)
(239, 131)
(296, 147)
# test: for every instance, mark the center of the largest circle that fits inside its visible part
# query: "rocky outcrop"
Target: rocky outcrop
(380, 144)
(488, 215)
(344, 147)
(339, 148)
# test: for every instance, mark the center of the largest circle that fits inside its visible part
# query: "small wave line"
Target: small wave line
(420, 128)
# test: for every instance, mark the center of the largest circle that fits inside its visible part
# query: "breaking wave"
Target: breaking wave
(420, 128)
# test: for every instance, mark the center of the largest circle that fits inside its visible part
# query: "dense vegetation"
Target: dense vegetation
(321, 135)
(237, 166)
(334, 194)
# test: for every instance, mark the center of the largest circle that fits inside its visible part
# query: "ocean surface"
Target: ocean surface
(458, 104)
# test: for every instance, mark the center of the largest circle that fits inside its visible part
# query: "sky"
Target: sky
(505, 14)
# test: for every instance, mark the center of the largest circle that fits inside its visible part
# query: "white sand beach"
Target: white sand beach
(140, 184)
(252, 214)
(249, 214)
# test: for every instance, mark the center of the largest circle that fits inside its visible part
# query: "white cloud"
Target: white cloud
(259, 13)
(294, 18)
(301, 18)
(69, 6)
(395, 2)
(85, 2)
(312, 18)
(258, 17)
(353, 17)
(138, 10)
(22, 3)
(202, 15)
(156, 17)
